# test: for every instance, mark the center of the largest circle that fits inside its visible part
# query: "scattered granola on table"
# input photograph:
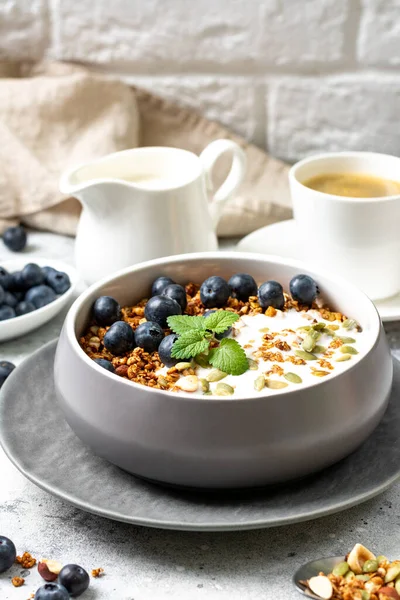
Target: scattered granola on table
(172, 340)
(97, 572)
(26, 560)
(17, 581)
(360, 576)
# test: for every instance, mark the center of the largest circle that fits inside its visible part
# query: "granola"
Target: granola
(296, 335)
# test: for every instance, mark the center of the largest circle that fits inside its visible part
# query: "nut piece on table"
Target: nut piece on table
(357, 557)
(49, 569)
(321, 586)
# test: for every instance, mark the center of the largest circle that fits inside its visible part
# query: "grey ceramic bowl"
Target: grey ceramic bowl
(222, 442)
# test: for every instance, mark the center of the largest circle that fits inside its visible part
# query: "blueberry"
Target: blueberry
(149, 336)
(6, 312)
(242, 286)
(120, 338)
(176, 292)
(31, 275)
(5, 278)
(8, 552)
(214, 291)
(17, 284)
(2, 295)
(225, 333)
(19, 296)
(303, 289)
(159, 308)
(106, 310)
(164, 350)
(106, 364)
(47, 270)
(160, 284)
(40, 295)
(52, 591)
(23, 308)
(15, 238)
(75, 579)
(58, 281)
(10, 299)
(270, 293)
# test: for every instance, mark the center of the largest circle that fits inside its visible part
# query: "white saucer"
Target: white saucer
(13, 328)
(281, 239)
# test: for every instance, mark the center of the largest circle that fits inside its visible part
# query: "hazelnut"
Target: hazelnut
(321, 586)
(388, 593)
(49, 569)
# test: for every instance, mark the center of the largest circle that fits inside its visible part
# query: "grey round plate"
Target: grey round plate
(32, 429)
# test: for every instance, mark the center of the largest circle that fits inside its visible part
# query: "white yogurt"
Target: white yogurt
(249, 333)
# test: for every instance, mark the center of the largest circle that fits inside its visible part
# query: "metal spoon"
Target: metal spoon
(311, 569)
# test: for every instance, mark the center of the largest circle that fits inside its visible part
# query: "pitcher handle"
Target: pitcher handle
(209, 157)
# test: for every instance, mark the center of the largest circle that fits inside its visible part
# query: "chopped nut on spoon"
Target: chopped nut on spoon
(361, 576)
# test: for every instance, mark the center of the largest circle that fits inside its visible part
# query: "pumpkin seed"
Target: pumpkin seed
(304, 328)
(371, 565)
(363, 577)
(345, 340)
(319, 349)
(349, 575)
(293, 378)
(341, 569)
(253, 364)
(216, 375)
(205, 386)
(365, 595)
(327, 331)
(273, 384)
(202, 361)
(343, 358)
(310, 341)
(223, 389)
(382, 558)
(264, 329)
(259, 383)
(350, 324)
(348, 350)
(392, 573)
(182, 366)
(333, 327)
(319, 326)
(305, 355)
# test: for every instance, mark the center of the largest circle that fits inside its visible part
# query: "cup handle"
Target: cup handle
(209, 157)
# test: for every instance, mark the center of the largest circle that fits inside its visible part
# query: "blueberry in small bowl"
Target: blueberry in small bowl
(28, 300)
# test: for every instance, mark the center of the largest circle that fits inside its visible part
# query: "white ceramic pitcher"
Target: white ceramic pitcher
(147, 203)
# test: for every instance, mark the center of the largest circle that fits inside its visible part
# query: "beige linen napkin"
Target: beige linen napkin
(56, 115)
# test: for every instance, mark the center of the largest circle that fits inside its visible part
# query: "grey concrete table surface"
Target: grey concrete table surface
(150, 564)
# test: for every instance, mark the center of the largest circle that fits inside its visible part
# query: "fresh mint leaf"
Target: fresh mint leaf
(181, 324)
(220, 320)
(189, 344)
(229, 357)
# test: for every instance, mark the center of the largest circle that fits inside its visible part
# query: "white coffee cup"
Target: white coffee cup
(358, 238)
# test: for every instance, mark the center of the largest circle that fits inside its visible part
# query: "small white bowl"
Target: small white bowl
(13, 328)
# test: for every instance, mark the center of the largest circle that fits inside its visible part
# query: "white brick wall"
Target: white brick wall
(295, 76)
